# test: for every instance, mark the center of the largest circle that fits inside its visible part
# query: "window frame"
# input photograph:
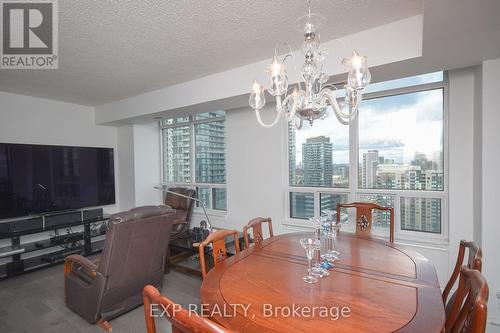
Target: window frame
(192, 160)
(354, 191)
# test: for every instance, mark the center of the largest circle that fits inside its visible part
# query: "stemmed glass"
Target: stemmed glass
(317, 268)
(330, 229)
(310, 246)
(331, 254)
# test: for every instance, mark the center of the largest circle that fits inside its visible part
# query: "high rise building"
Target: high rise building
(210, 152)
(292, 156)
(369, 169)
(399, 176)
(433, 180)
(317, 168)
(302, 205)
(317, 161)
(422, 214)
(176, 146)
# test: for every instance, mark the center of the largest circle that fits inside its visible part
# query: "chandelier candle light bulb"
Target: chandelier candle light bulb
(312, 103)
(257, 99)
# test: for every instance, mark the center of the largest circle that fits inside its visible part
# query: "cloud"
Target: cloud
(412, 121)
(419, 126)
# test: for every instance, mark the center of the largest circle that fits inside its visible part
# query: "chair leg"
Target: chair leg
(105, 325)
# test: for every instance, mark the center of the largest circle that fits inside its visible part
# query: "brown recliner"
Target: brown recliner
(133, 256)
(183, 208)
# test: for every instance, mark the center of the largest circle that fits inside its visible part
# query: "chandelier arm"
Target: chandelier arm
(331, 86)
(353, 109)
(341, 42)
(339, 109)
(294, 106)
(279, 108)
(328, 95)
(291, 114)
(259, 119)
(339, 114)
(289, 54)
(299, 125)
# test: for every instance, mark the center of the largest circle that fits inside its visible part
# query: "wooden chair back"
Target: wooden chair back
(183, 321)
(469, 311)
(474, 261)
(364, 217)
(256, 225)
(219, 251)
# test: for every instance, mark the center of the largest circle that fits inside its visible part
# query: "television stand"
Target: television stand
(27, 255)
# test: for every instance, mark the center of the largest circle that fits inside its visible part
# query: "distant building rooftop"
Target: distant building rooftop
(318, 139)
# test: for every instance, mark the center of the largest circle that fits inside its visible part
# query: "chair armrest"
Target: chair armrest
(179, 222)
(84, 263)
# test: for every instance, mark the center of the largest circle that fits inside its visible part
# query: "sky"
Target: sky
(411, 122)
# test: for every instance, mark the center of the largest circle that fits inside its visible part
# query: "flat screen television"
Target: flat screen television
(36, 179)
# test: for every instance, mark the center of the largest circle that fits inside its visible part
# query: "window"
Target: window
(401, 142)
(395, 148)
(319, 154)
(301, 205)
(176, 154)
(194, 154)
(210, 152)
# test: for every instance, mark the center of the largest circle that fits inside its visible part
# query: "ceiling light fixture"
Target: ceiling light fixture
(297, 104)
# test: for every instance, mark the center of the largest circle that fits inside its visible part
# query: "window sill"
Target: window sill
(210, 212)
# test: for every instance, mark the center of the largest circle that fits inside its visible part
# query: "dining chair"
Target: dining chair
(469, 310)
(474, 261)
(219, 251)
(256, 225)
(181, 319)
(364, 217)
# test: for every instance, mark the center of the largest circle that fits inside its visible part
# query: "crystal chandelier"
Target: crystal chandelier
(297, 104)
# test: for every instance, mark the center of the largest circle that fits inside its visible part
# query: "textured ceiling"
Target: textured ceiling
(110, 50)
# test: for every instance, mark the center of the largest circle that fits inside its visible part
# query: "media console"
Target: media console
(27, 255)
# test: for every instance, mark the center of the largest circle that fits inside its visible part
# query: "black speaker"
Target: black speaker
(93, 214)
(62, 218)
(21, 225)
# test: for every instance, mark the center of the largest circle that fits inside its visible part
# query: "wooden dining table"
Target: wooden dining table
(376, 286)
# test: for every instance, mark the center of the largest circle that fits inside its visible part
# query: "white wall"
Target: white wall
(491, 185)
(254, 163)
(478, 154)
(126, 171)
(147, 164)
(25, 119)
(461, 162)
(139, 152)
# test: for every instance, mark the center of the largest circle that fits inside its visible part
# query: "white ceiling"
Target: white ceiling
(110, 50)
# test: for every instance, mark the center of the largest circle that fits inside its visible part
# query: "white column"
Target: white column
(491, 186)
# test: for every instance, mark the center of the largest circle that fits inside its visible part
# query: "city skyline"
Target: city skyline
(377, 170)
(385, 123)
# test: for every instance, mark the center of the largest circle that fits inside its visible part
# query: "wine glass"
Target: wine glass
(331, 254)
(310, 246)
(329, 218)
(318, 268)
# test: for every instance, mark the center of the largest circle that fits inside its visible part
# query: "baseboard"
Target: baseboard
(493, 325)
